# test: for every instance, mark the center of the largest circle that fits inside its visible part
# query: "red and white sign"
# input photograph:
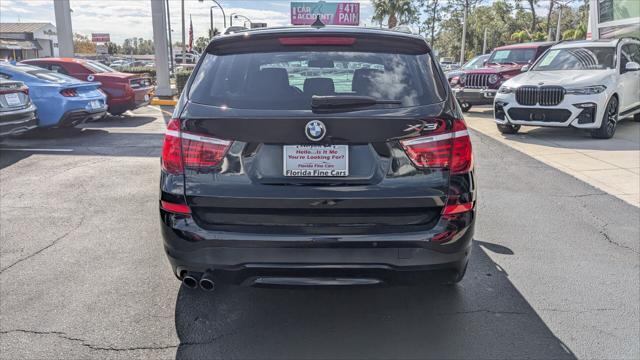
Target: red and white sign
(100, 37)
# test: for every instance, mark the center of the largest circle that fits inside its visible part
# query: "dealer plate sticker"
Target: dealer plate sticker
(12, 99)
(316, 160)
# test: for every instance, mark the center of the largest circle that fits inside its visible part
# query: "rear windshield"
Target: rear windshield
(288, 80)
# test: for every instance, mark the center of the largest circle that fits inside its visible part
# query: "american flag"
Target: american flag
(190, 34)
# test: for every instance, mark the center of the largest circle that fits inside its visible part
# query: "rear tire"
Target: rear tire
(508, 128)
(609, 121)
(465, 107)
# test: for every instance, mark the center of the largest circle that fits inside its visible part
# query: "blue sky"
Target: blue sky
(128, 18)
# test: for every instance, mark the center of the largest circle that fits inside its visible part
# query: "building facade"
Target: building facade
(22, 41)
(614, 19)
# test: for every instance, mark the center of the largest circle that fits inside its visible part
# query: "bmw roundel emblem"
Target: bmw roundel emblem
(315, 130)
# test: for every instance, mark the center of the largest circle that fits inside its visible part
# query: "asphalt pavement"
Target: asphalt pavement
(554, 273)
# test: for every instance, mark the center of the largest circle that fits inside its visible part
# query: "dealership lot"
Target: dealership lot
(554, 270)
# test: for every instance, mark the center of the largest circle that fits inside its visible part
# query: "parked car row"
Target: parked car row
(124, 91)
(65, 93)
(581, 84)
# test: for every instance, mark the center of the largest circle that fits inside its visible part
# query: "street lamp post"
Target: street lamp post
(171, 67)
(224, 16)
(211, 18)
(234, 15)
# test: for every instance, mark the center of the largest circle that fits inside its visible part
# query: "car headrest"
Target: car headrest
(318, 86)
(273, 81)
(363, 82)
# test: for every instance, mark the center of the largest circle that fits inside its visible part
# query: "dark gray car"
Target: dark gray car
(17, 112)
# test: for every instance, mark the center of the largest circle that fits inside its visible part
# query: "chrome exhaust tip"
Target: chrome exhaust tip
(206, 282)
(190, 280)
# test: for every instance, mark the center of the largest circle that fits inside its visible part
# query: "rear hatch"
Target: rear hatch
(267, 140)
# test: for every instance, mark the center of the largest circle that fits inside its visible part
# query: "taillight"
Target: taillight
(202, 151)
(443, 148)
(69, 92)
(13, 89)
(187, 150)
(171, 152)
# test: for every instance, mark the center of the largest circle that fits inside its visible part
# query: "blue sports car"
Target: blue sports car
(62, 101)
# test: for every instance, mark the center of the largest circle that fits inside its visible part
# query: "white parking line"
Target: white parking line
(157, 108)
(47, 150)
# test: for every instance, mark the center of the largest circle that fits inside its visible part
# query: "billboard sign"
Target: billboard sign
(341, 13)
(100, 37)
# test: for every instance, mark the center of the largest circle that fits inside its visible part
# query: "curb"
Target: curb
(163, 102)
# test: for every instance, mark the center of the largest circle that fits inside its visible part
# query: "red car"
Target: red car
(124, 91)
(479, 86)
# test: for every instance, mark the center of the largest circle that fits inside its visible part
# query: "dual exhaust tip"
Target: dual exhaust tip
(194, 279)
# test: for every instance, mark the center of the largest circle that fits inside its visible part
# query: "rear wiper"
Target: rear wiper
(347, 101)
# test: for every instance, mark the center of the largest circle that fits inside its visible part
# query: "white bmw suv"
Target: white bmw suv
(582, 84)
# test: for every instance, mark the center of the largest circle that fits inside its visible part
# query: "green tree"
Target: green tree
(398, 12)
(201, 43)
(112, 48)
(82, 44)
(520, 36)
(433, 11)
(568, 34)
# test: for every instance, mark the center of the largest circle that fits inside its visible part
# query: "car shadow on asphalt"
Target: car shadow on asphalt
(483, 317)
(120, 121)
(80, 142)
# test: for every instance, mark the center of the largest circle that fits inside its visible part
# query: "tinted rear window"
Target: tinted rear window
(288, 80)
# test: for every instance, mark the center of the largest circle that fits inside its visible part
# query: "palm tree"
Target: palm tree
(399, 11)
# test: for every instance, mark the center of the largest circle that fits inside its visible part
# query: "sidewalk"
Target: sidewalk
(611, 165)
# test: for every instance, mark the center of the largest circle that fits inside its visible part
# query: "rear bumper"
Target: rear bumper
(76, 117)
(475, 96)
(140, 98)
(265, 259)
(18, 122)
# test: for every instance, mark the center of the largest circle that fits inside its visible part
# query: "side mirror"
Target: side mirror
(525, 68)
(632, 66)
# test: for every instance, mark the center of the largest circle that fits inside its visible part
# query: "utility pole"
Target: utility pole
(558, 27)
(184, 45)
(464, 30)
(484, 42)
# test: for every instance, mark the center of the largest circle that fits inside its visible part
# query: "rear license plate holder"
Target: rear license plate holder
(315, 160)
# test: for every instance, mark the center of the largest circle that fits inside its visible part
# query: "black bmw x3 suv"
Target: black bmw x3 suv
(317, 156)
